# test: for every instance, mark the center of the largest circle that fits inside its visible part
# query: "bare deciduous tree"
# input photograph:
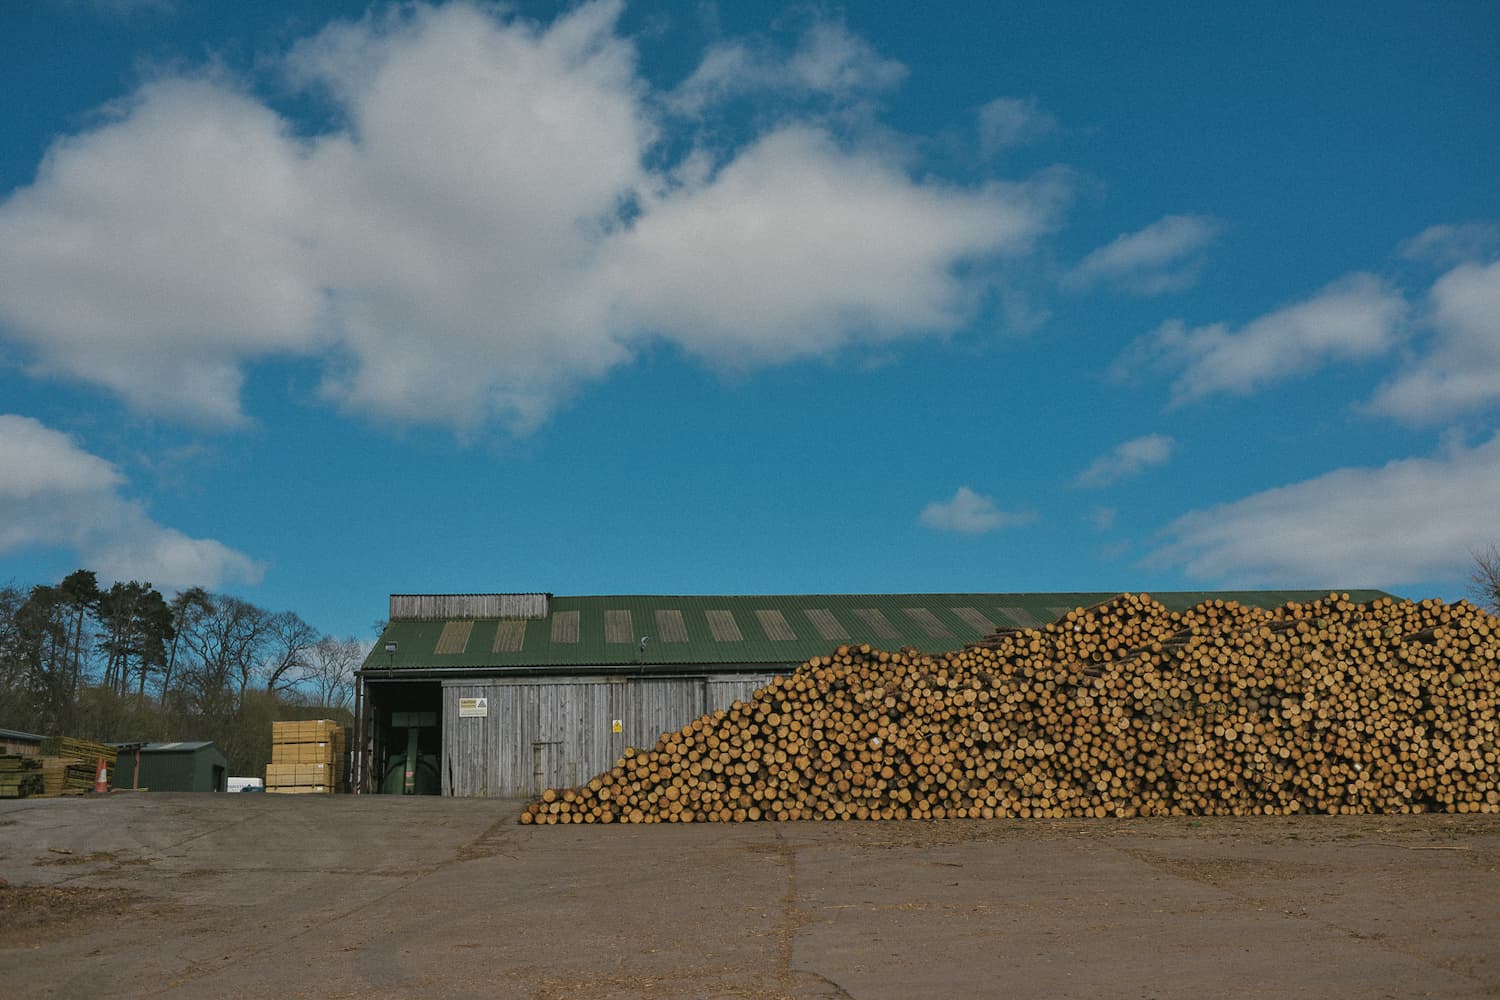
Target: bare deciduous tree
(290, 641)
(1484, 583)
(329, 676)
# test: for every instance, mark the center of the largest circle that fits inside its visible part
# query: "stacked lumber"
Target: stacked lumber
(70, 766)
(1123, 709)
(61, 776)
(80, 751)
(78, 776)
(307, 758)
(20, 776)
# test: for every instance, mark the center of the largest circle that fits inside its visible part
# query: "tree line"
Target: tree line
(126, 663)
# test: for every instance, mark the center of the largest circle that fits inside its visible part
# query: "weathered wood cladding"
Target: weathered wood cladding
(549, 732)
(431, 607)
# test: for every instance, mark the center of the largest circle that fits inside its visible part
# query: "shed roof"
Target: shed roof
(20, 737)
(177, 747)
(685, 632)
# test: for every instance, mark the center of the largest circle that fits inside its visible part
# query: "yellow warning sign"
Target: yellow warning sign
(618, 727)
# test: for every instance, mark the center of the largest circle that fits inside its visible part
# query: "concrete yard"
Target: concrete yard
(136, 895)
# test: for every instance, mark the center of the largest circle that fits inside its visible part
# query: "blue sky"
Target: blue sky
(316, 302)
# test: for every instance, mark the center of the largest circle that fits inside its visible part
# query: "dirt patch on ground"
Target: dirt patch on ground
(305, 896)
(29, 913)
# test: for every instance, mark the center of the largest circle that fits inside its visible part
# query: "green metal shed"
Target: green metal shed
(173, 767)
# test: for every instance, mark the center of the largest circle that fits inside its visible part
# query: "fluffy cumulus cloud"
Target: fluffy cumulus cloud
(1166, 256)
(1357, 318)
(797, 214)
(1411, 520)
(970, 513)
(1127, 460)
(1460, 370)
(485, 226)
(52, 492)
(154, 253)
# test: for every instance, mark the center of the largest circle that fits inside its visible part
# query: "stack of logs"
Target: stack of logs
(1124, 709)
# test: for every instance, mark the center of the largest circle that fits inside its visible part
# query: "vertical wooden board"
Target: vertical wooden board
(514, 734)
(721, 692)
(543, 733)
(565, 726)
(580, 730)
(469, 767)
(655, 705)
(430, 607)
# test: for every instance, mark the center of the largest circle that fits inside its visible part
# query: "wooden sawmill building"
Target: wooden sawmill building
(506, 694)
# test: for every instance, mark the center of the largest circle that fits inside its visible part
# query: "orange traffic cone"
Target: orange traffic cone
(101, 777)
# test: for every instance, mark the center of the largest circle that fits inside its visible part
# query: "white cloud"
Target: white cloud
(828, 62)
(38, 461)
(155, 251)
(54, 493)
(1127, 459)
(1012, 121)
(1447, 245)
(1354, 319)
(786, 252)
(1166, 256)
(1411, 520)
(1461, 370)
(970, 513)
(480, 233)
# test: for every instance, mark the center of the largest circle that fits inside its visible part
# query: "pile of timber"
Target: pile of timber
(81, 752)
(308, 758)
(70, 766)
(1123, 709)
(64, 776)
(60, 776)
(20, 776)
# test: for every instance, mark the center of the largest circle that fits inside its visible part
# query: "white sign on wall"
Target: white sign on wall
(473, 708)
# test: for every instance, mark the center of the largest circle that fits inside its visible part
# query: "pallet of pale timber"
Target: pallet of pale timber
(301, 774)
(300, 789)
(306, 731)
(304, 753)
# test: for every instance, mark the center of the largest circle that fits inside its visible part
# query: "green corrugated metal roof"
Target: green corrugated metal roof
(687, 631)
